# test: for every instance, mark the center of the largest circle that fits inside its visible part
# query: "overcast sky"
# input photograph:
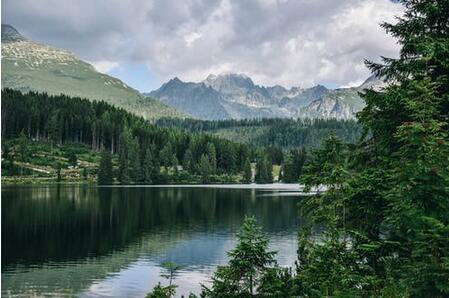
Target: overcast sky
(147, 42)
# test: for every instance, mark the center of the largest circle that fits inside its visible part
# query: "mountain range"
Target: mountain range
(32, 66)
(28, 65)
(235, 96)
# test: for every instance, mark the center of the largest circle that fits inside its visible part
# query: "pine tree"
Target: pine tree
(149, 167)
(288, 170)
(293, 165)
(134, 161)
(124, 156)
(188, 160)
(159, 291)
(264, 169)
(8, 154)
(205, 169)
(54, 129)
(166, 155)
(105, 176)
(174, 162)
(23, 147)
(211, 153)
(228, 158)
(247, 172)
(248, 262)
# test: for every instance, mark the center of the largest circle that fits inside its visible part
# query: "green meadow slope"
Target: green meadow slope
(27, 65)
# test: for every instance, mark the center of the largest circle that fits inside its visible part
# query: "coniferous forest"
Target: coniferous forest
(278, 132)
(141, 149)
(167, 151)
(138, 151)
(155, 153)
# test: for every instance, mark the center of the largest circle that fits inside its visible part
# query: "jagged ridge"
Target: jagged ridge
(235, 96)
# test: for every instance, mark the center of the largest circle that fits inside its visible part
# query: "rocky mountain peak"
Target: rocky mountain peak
(10, 34)
(228, 82)
(211, 78)
(374, 83)
(175, 80)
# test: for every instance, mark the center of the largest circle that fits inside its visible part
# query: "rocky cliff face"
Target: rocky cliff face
(198, 100)
(235, 96)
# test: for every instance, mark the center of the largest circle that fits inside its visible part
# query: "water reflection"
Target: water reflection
(110, 241)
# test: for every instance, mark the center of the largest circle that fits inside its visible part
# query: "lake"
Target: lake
(85, 241)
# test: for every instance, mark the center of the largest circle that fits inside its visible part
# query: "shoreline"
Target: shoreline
(287, 189)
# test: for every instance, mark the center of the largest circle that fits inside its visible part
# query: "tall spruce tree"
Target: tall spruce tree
(124, 174)
(289, 174)
(166, 155)
(54, 129)
(148, 167)
(264, 168)
(211, 153)
(188, 162)
(205, 168)
(23, 147)
(247, 172)
(293, 165)
(135, 166)
(105, 175)
(7, 154)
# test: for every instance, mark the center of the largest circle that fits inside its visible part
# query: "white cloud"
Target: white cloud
(296, 42)
(104, 66)
(190, 38)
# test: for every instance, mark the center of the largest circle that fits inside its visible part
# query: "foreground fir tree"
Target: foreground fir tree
(160, 291)
(249, 262)
(388, 196)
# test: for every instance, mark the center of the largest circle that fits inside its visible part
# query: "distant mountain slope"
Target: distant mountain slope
(27, 65)
(235, 96)
(197, 100)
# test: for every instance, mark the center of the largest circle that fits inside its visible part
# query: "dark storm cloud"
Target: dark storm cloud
(299, 42)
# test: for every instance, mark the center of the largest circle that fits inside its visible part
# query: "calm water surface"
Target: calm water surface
(110, 242)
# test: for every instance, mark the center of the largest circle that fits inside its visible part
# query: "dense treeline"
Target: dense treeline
(202, 125)
(142, 148)
(285, 133)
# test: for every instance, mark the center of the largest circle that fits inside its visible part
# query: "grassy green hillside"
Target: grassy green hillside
(27, 65)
